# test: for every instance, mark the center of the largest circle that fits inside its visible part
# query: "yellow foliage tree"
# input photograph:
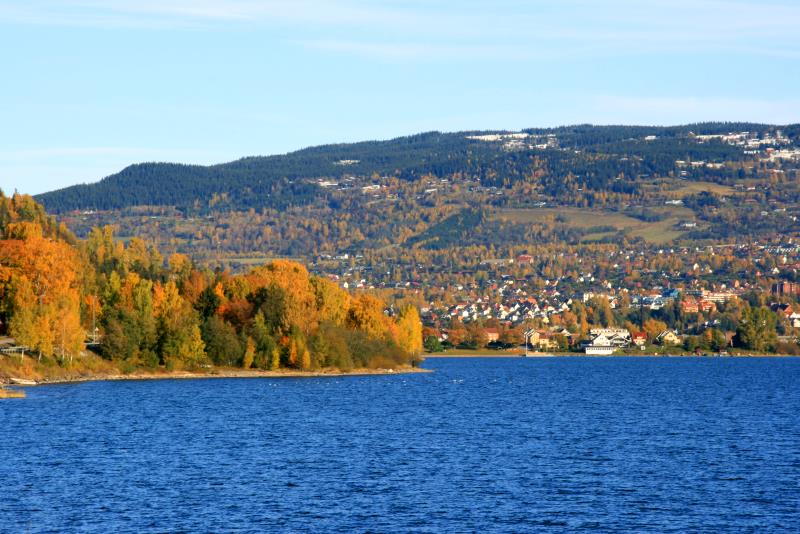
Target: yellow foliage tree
(294, 280)
(180, 338)
(366, 314)
(332, 302)
(653, 328)
(275, 360)
(23, 321)
(249, 354)
(305, 360)
(180, 266)
(292, 356)
(409, 330)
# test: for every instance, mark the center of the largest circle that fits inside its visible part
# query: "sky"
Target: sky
(88, 87)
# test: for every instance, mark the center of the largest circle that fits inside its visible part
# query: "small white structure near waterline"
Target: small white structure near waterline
(603, 343)
(598, 350)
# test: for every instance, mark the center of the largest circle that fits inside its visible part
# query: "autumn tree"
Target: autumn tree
(409, 330)
(249, 353)
(44, 274)
(332, 302)
(23, 320)
(653, 328)
(180, 341)
(222, 343)
(366, 313)
(293, 280)
(757, 329)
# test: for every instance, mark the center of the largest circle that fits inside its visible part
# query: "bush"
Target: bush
(432, 344)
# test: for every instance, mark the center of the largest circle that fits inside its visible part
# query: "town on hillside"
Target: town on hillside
(600, 301)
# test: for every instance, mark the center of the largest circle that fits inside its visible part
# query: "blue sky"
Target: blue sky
(89, 87)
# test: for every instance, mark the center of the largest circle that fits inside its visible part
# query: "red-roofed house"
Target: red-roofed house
(639, 339)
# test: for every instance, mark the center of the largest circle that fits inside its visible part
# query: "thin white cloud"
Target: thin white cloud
(183, 13)
(764, 25)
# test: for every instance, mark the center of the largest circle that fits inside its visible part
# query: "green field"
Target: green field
(691, 188)
(658, 232)
(676, 188)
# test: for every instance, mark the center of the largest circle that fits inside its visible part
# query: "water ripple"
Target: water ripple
(644, 445)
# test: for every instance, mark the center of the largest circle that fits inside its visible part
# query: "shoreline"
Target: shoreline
(194, 375)
(19, 382)
(581, 355)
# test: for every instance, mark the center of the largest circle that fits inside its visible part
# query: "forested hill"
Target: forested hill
(594, 157)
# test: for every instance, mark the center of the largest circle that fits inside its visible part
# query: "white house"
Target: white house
(599, 346)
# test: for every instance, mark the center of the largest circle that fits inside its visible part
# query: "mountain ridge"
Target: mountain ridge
(280, 181)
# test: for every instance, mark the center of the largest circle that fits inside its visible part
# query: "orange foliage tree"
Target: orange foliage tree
(45, 281)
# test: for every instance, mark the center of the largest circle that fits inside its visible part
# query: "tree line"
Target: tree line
(57, 292)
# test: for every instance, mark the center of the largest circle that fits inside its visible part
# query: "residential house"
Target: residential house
(533, 337)
(604, 341)
(560, 331)
(492, 334)
(546, 341)
(692, 305)
(788, 312)
(718, 296)
(639, 339)
(668, 337)
(599, 346)
(619, 337)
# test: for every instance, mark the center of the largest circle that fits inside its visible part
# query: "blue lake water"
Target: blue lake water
(480, 445)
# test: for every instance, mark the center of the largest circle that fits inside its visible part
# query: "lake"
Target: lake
(480, 445)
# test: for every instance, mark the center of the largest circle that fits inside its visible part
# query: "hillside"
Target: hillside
(386, 211)
(593, 154)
